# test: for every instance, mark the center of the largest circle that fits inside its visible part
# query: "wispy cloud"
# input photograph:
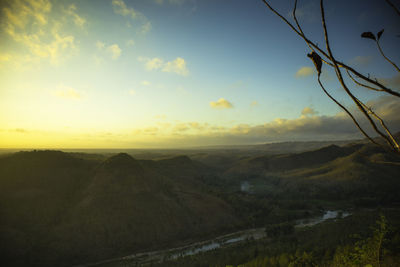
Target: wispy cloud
(152, 63)
(177, 65)
(78, 20)
(307, 111)
(114, 50)
(221, 103)
(305, 128)
(145, 83)
(32, 24)
(174, 2)
(146, 27)
(361, 61)
(100, 45)
(130, 42)
(305, 72)
(393, 81)
(120, 8)
(5, 57)
(67, 92)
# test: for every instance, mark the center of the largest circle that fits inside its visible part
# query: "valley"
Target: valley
(80, 209)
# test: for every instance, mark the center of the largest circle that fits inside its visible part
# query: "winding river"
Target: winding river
(218, 242)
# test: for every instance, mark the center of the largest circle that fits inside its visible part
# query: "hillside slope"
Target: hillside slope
(70, 211)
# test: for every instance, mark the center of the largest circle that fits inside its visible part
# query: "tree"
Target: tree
(366, 252)
(321, 57)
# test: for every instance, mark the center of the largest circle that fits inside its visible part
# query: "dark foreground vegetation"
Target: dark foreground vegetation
(63, 209)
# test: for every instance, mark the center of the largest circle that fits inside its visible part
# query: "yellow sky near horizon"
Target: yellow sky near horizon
(158, 74)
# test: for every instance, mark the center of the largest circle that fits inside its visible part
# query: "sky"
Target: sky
(184, 73)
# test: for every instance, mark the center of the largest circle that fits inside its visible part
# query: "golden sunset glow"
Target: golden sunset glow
(154, 74)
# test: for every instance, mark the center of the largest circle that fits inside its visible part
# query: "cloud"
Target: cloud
(308, 111)
(181, 127)
(130, 42)
(114, 50)
(388, 107)
(392, 82)
(303, 128)
(153, 63)
(177, 66)
(5, 57)
(78, 20)
(100, 45)
(146, 27)
(221, 104)
(338, 126)
(145, 83)
(20, 130)
(304, 72)
(32, 24)
(120, 8)
(67, 92)
(361, 61)
(254, 103)
(98, 60)
(161, 117)
(174, 2)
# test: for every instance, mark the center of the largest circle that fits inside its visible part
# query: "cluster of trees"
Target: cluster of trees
(346, 242)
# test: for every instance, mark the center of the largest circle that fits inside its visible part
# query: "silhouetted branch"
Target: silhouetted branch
(347, 111)
(315, 47)
(394, 7)
(340, 77)
(329, 59)
(391, 62)
(361, 84)
(393, 141)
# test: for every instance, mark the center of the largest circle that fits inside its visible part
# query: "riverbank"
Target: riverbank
(219, 242)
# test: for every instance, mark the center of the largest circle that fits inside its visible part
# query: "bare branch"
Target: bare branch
(394, 7)
(393, 141)
(314, 46)
(391, 62)
(340, 77)
(361, 84)
(298, 25)
(348, 112)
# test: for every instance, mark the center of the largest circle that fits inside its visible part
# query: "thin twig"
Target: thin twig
(340, 77)
(391, 62)
(361, 84)
(298, 25)
(370, 111)
(394, 7)
(348, 112)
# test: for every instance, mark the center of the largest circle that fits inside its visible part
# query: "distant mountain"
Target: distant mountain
(301, 146)
(69, 210)
(362, 170)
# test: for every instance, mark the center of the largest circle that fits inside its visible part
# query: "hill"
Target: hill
(57, 208)
(60, 209)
